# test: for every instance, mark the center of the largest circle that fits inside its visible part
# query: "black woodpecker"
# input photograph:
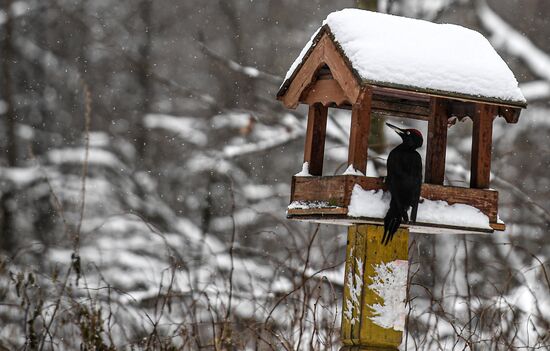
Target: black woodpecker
(403, 181)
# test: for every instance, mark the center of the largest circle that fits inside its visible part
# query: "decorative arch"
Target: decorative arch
(323, 52)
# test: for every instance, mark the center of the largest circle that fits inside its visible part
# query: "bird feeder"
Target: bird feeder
(380, 65)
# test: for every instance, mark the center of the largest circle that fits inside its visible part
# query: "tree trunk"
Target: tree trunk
(144, 76)
(6, 236)
(7, 59)
(239, 88)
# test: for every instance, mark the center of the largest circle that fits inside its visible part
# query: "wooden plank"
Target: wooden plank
(359, 131)
(337, 190)
(437, 142)
(406, 107)
(392, 110)
(401, 94)
(482, 139)
(314, 149)
(323, 210)
(325, 92)
(318, 215)
(381, 108)
(329, 189)
(377, 113)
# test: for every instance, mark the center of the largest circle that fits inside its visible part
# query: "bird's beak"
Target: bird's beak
(396, 129)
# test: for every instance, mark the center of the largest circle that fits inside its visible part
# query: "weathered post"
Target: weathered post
(375, 288)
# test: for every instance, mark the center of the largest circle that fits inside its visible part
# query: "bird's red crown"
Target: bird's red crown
(415, 131)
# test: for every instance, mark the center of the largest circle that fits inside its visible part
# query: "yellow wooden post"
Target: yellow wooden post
(371, 269)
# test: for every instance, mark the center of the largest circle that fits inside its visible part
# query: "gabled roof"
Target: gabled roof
(417, 55)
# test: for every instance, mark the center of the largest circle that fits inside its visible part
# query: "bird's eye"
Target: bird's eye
(408, 132)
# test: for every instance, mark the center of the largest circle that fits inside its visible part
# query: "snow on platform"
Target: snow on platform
(375, 204)
(415, 54)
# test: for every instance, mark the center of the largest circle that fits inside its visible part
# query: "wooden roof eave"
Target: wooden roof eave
(510, 111)
(446, 94)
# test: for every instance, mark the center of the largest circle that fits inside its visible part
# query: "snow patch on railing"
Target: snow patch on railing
(305, 171)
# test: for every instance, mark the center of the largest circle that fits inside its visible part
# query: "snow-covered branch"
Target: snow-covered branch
(262, 145)
(248, 71)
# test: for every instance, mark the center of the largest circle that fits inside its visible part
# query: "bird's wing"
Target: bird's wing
(417, 160)
(418, 179)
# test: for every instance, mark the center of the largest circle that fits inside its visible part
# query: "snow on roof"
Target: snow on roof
(409, 53)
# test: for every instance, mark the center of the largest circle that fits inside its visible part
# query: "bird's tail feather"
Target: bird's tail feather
(392, 221)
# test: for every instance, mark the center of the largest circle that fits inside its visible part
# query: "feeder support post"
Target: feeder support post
(482, 138)
(436, 144)
(366, 257)
(359, 130)
(314, 149)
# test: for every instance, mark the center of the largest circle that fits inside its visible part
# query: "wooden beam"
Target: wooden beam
(329, 93)
(437, 142)
(326, 211)
(400, 108)
(482, 139)
(314, 149)
(359, 131)
(320, 215)
(426, 93)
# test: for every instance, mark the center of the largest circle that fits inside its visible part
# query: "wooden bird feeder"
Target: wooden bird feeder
(381, 65)
(339, 68)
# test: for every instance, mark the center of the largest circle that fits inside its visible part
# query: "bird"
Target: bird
(403, 180)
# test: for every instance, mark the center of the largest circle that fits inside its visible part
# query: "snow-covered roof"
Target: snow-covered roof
(416, 55)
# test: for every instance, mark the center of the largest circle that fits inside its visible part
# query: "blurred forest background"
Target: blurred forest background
(144, 176)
